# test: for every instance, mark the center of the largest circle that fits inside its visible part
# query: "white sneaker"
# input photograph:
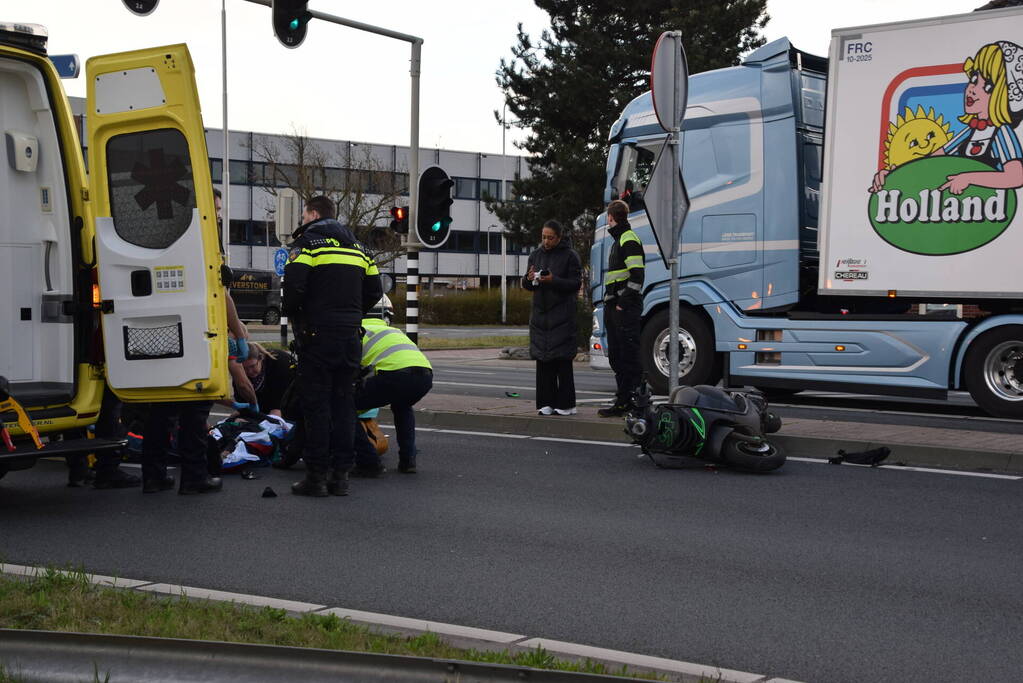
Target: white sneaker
(563, 411)
(546, 410)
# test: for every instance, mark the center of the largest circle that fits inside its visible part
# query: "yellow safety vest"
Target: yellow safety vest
(387, 348)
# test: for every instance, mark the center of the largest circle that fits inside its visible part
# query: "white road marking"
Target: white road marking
(469, 372)
(594, 443)
(909, 468)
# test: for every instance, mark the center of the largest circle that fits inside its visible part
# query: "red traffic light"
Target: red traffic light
(399, 219)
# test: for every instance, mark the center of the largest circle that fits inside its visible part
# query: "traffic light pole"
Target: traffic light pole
(412, 272)
(412, 250)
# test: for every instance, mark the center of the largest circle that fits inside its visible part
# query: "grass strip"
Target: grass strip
(429, 343)
(56, 600)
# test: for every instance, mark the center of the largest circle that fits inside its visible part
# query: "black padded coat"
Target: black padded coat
(552, 326)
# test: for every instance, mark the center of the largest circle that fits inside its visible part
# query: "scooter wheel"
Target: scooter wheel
(751, 453)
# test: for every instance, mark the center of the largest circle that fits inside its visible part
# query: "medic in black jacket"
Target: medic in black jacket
(330, 283)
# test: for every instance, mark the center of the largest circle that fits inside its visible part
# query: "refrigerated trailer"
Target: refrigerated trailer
(854, 221)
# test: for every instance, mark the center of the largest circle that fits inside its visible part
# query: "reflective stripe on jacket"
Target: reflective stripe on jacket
(329, 282)
(625, 264)
(387, 348)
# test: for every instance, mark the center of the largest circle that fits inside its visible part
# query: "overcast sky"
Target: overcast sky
(346, 84)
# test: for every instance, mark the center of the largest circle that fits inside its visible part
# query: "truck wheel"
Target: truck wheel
(751, 453)
(993, 371)
(271, 317)
(697, 362)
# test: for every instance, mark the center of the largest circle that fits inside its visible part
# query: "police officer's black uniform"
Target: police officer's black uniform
(329, 284)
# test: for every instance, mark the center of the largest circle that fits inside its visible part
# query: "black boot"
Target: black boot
(207, 485)
(338, 484)
(616, 410)
(115, 479)
(314, 484)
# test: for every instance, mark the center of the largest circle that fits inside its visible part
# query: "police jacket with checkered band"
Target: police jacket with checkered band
(329, 282)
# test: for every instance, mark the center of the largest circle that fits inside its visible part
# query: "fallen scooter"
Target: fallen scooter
(704, 424)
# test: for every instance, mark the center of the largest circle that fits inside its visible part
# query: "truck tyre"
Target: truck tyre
(993, 371)
(698, 363)
(751, 453)
(272, 316)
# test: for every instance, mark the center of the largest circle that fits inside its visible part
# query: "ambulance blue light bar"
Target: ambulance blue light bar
(31, 37)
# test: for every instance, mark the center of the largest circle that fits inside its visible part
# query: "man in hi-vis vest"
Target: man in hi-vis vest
(623, 307)
(401, 377)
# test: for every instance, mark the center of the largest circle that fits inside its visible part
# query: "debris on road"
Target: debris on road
(872, 457)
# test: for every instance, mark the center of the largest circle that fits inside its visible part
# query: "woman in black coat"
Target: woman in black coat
(554, 277)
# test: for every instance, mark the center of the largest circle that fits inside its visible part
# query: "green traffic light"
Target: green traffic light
(435, 227)
(294, 24)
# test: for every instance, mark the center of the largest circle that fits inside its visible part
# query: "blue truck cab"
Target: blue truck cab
(751, 311)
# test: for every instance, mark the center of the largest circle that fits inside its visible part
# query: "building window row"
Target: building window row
(254, 233)
(259, 173)
(486, 189)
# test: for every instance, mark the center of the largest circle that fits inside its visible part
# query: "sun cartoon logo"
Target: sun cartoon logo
(914, 135)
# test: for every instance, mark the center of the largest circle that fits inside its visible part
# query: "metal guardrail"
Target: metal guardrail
(50, 656)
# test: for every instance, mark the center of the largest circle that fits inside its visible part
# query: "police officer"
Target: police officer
(329, 284)
(401, 377)
(623, 307)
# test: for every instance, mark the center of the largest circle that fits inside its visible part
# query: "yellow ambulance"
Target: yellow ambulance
(111, 277)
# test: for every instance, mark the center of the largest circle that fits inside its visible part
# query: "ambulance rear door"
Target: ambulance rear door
(164, 319)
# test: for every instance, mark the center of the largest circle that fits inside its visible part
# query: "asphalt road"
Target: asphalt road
(493, 378)
(815, 573)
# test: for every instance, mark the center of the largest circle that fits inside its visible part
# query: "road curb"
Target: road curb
(793, 445)
(462, 636)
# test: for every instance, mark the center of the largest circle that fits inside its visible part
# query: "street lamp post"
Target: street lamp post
(504, 280)
(225, 164)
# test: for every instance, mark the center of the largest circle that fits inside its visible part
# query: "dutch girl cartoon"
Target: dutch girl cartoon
(992, 106)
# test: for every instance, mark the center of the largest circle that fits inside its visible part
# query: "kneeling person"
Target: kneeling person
(401, 377)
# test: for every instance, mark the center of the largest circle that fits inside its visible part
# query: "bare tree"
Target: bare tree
(362, 189)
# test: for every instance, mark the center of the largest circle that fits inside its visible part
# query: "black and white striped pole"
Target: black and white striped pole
(284, 320)
(412, 253)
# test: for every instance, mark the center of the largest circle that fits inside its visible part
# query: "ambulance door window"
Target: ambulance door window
(152, 195)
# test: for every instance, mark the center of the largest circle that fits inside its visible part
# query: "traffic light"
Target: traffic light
(290, 18)
(434, 220)
(141, 7)
(399, 219)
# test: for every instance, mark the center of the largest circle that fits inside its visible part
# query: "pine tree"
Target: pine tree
(570, 86)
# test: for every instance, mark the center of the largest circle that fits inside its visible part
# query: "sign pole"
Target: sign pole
(669, 89)
(675, 233)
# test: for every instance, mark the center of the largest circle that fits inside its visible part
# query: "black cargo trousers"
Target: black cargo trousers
(328, 364)
(623, 328)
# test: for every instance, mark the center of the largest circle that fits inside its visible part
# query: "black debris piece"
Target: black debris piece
(873, 457)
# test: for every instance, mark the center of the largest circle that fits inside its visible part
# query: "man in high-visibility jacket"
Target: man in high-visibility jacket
(623, 307)
(330, 283)
(401, 377)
